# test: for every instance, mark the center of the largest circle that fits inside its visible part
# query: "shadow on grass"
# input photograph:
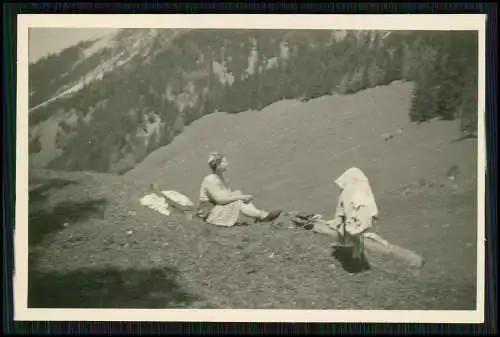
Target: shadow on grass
(42, 222)
(107, 288)
(349, 264)
(90, 288)
(464, 137)
(38, 192)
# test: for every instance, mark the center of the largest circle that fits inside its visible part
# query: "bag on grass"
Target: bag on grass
(178, 200)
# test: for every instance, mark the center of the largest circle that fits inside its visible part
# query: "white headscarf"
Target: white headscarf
(356, 190)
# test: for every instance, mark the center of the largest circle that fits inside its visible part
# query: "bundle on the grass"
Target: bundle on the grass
(176, 199)
(304, 220)
(156, 203)
(161, 200)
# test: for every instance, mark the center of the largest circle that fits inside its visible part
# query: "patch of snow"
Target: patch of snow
(106, 41)
(386, 35)
(150, 128)
(190, 88)
(71, 118)
(186, 99)
(118, 60)
(123, 61)
(272, 63)
(90, 113)
(339, 35)
(254, 43)
(252, 61)
(93, 75)
(224, 77)
(284, 50)
(170, 94)
(201, 59)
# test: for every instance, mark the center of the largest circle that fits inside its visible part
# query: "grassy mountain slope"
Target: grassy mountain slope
(305, 145)
(174, 78)
(113, 252)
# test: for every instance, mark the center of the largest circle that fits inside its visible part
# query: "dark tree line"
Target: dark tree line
(448, 86)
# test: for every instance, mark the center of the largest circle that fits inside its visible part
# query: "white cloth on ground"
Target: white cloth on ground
(156, 203)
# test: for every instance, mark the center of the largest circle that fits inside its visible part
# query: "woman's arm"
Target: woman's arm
(219, 196)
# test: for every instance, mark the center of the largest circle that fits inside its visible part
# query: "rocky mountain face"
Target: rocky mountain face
(104, 105)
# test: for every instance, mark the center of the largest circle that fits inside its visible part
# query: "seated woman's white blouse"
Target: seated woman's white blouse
(211, 186)
(219, 215)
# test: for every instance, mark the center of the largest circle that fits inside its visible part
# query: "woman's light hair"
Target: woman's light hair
(214, 159)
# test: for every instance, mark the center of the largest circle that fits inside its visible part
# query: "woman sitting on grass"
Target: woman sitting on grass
(219, 205)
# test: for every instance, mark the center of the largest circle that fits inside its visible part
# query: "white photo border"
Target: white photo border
(475, 22)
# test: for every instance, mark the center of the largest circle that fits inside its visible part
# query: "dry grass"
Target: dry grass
(115, 253)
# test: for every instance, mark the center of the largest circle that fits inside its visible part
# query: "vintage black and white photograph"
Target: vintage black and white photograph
(317, 169)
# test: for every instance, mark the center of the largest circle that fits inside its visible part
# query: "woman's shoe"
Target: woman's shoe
(271, 216)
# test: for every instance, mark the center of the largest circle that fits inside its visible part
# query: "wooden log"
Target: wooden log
(375, 244)
(323, 228)
(406, 256)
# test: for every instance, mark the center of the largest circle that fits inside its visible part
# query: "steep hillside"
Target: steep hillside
(293, 147)
(109, 103)
(93, 245)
